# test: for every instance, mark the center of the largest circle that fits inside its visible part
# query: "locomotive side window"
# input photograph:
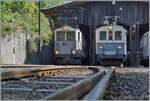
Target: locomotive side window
(117, 35)
(78, 36)
(102, 35)
(60, 35)
(110, 35)
(70, 35)
(147, 39)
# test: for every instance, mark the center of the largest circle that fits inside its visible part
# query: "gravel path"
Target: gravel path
(130, 84)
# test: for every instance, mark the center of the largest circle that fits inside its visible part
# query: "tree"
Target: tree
(22, 15)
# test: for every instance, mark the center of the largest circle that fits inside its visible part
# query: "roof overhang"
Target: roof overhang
(109, 0)
(53, 11)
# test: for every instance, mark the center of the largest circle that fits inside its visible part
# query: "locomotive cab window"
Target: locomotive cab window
(102, 35)
(78, 36)
(117, 35)
(60, 35)
(110, 35)
(70, 35)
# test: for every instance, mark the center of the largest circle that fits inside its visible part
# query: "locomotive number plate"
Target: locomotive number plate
(110, 53)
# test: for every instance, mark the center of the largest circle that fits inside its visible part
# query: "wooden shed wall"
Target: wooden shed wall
(132, 12)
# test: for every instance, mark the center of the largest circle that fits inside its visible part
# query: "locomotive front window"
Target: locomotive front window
(60, 35)
(102, 35)
(117, 35)
(110, 35)
(71, 35)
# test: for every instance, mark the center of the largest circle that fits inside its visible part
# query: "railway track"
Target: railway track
(69, 82)
(49, 83)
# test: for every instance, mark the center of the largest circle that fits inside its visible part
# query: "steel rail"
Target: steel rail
(5, 66)
(42, 68)
(77, 90)
(98, 91)
(29, 65)
(7, 73)
(14, 74)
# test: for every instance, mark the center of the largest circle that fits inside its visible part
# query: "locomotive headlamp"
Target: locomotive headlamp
(110, 27)
(56, 51)
(73, 52)
(65, 28)
(100, 47)
(119, 47)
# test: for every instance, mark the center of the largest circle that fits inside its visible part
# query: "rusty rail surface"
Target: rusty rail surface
(97, 93)
(77, 90)
(17, 72)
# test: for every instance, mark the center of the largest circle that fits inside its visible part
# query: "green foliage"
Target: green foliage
(22, 15)
(46, 35)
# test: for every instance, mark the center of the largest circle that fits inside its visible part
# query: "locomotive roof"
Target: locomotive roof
(115, 26)
(73, 3)
(69, 26)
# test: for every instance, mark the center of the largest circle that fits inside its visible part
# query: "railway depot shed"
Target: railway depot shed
(88, 15)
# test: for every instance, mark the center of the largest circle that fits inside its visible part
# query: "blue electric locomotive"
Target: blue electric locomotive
(144, 47)
(68, 45)
(111, 44)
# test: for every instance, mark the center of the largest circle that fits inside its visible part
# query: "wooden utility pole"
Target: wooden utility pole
(131, 59)
(137, 45)
(39, 31)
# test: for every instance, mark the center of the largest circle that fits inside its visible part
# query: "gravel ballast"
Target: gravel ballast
(129, 84)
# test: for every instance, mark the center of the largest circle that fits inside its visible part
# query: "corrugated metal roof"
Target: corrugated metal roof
(52, 11)
(106, 0)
